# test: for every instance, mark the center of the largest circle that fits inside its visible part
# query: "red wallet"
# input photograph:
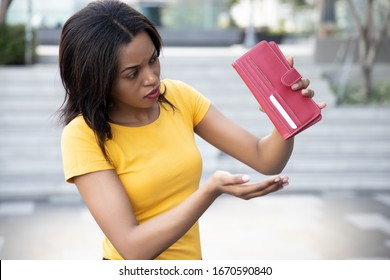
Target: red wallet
(267, 74)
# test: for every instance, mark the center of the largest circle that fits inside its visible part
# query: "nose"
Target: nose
(152, 76)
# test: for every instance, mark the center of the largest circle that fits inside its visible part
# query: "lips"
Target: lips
(154, 94)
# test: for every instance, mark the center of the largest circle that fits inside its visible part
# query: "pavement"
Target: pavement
(304, 226)
(336, 207)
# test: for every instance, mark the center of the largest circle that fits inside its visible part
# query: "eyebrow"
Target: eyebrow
(136, 66)
(129, 68)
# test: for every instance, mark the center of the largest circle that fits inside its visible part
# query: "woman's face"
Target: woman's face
(137, 83)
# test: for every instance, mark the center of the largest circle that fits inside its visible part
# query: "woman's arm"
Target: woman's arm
(267, 155)
(108, 203)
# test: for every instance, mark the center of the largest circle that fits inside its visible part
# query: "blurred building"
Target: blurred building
(203, 14)
(181, 22)
(168, 15)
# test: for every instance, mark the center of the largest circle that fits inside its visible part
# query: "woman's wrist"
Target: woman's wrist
(217, 183)
(211, 190)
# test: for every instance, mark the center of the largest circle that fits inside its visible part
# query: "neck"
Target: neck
(134, 117)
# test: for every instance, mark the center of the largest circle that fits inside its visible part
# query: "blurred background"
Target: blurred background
(338, 203)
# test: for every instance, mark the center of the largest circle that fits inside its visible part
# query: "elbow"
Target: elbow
(271, 160)
(132, 249)
(136, 250)
(134, 255)
(272, 170)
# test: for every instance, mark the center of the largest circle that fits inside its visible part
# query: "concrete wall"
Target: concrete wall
(329, 50)
(213, 37)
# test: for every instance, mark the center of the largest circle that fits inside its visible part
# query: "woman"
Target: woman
(128, 143)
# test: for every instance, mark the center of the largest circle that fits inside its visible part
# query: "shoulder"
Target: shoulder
(77, 128)
(77, 122)
(187, 99)
(176, 85)
(80, 150)
(180, 92)
(177, 88)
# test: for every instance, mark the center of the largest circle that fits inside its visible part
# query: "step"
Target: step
(316, 163)
(348, 149)
(325, 182)
(37, 190)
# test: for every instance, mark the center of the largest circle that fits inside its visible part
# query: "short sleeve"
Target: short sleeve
(196, 103)
(81, 153)
(200, 107)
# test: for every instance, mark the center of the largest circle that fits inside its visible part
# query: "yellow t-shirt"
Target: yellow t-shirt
(158, 164)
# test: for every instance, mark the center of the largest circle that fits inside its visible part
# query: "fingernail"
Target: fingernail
(285, 184)
(305, 91)
(277, 179)
(295, 86)
(245, 178)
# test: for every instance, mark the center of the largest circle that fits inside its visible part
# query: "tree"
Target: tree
(4, 5)
(369, 38)
(328, 18)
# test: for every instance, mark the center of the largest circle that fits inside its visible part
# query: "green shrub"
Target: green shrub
(380, 94)
(12, 44)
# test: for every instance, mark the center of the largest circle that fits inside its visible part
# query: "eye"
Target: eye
(154, 59)
(132, 75)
